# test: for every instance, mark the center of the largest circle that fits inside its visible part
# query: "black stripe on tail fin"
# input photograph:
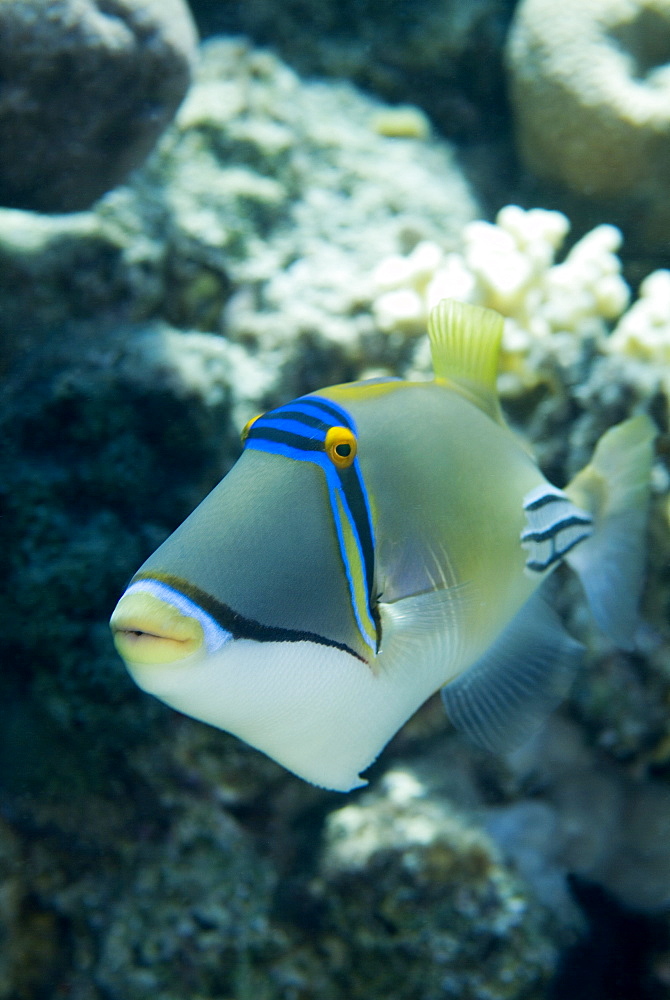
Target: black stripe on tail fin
(554, 526)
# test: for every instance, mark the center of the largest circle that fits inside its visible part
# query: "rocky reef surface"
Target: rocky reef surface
(146, 855)
(87, 88)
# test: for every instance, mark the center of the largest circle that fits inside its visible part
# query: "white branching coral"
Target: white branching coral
(642, 336)
(510, 266)
(644, 331)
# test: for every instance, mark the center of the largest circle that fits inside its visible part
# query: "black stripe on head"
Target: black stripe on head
(335, 415)
(354, 493)
(235, 623)
(285, 413)
(283, 427)
(289, 438)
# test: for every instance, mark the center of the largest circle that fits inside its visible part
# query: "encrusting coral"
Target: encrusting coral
(589, 82)
(590, 86)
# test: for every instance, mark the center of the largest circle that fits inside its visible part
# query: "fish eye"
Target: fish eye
(341, 447)
(244, 433)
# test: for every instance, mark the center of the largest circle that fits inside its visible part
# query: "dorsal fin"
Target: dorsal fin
(465, 344)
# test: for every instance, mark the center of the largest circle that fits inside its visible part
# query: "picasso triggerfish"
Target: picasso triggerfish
(379, 541)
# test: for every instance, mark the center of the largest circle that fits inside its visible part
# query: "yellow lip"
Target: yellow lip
(148, 630)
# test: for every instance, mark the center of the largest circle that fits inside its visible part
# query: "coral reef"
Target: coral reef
(443, 55)
(555, 808)
(155, 889)
(590, 87)
(642, 336)
(402, 866)
(589, 818)
(85, 94)
(510, 266)
(259, 216)
(145, 855)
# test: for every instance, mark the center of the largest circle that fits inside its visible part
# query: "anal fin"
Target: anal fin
(503, 698)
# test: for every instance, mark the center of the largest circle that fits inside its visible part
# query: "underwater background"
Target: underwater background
(206, 211)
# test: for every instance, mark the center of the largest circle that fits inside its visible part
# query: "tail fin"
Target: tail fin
(614, 488)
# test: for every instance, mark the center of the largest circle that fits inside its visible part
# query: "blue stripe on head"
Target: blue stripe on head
(300, 428)
(290, 425)
(298, 431)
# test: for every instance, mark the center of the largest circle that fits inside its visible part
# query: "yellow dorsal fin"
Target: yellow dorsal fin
(465, 343)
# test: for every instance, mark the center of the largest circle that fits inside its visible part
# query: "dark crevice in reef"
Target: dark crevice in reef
(617, 960)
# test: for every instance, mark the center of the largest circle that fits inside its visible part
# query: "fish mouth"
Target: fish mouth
(147, 630)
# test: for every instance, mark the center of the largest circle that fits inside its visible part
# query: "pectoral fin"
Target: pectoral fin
(424, 636)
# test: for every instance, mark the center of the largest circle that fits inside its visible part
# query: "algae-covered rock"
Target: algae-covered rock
(426, 904)
(160, 881)
(260, 216)
(193, 916)
(588, 817)
(11, 899)
(107, 439)
(87, 88)
(165, 898)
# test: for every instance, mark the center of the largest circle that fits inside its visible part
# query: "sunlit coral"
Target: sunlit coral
(510, 266)
(644, 331)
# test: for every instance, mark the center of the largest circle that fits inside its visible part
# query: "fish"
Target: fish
(379, 541)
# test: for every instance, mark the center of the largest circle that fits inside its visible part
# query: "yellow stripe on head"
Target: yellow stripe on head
(355, 569)
(367, 389)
